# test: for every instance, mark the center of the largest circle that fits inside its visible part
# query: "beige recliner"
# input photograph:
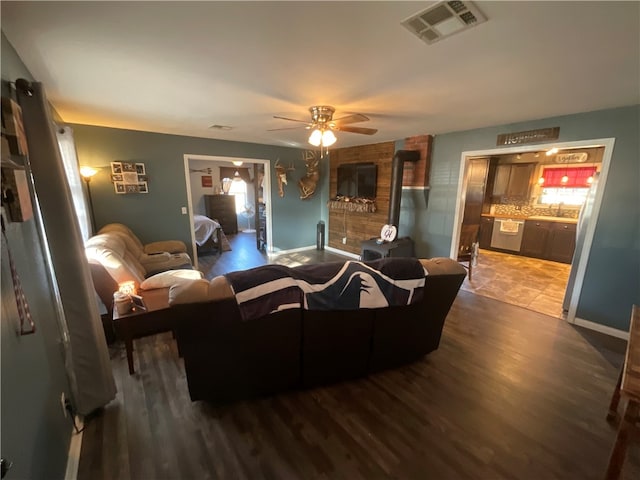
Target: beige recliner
(114, 258)
(171, 246)
(153, 257)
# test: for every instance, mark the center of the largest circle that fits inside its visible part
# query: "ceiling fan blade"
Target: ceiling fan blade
(354, 118)
(286, 128)
(292, 119)
(364, 131)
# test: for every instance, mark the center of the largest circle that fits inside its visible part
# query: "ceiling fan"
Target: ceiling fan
(322, 125)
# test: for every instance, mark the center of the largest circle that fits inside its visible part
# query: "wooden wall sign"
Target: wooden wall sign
(529, 136)
(207, 181)
(580, 157)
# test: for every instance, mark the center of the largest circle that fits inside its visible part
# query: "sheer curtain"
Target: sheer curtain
(64, 134)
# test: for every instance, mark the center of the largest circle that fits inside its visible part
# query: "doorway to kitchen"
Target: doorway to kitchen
(529, 197)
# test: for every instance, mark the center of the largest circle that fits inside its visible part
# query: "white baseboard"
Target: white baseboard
(342, 252)
(75, 446)
(313, 247)
(613, 332)
(293, 250)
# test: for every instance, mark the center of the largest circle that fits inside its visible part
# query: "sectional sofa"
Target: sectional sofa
(229, 357)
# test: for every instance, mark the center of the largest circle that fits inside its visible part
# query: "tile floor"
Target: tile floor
(537, 285)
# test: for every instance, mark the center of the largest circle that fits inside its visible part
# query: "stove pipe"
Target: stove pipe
(397, 168)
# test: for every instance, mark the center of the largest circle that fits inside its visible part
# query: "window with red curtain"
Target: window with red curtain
(576, 176)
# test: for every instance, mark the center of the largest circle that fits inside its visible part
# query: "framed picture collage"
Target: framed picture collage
(128, 177)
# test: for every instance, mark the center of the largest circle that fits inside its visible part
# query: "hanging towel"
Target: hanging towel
(509, 226)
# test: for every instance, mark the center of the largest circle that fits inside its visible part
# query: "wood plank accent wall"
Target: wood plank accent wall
(354, 225)
(358, 227)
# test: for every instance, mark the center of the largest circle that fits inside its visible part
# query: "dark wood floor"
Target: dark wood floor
(245, 255)
(510, 394)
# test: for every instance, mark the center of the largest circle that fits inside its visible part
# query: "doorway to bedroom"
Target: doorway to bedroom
(228, 197)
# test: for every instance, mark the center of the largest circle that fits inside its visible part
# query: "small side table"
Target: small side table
(156, 318)
(400, 247)
(629, 387)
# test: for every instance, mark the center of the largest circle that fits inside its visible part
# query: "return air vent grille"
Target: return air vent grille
(443, 20)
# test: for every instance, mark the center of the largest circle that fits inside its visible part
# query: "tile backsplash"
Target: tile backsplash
(517, 210)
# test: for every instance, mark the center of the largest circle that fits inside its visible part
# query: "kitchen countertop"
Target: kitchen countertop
(534, 217)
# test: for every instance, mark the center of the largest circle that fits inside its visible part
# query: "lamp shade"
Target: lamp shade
(226, 185)
(87, 172)
(315, 138)
(328, 138)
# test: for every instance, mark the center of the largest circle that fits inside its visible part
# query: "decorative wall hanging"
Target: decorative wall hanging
(13, 128)
(27, 325)
(129, 177)
(281, 175)
(207, 181)
(529, 136)
(307, 184)
(353, 204)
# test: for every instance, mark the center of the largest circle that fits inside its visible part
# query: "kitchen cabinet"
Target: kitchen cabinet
(474, 197)
(486, 229)
(534, 238)
(222, 208)
(549, 240)
(513, 181)
(561, 242)
(501, 180)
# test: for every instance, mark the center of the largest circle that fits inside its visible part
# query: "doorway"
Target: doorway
(503, 261)
(253, 217)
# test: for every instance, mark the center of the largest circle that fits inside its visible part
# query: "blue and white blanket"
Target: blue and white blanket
(330, 286)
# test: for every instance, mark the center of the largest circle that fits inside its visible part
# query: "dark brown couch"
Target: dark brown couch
(227, 358)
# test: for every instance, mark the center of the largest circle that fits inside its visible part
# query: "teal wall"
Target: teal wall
(35, 433)
(156, 215)
(612, 282)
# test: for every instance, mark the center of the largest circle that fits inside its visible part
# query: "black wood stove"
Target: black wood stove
(401, 246)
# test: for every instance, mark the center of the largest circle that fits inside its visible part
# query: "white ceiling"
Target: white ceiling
(180, 67)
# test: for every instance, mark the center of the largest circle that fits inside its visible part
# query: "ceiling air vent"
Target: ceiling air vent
(443, 19)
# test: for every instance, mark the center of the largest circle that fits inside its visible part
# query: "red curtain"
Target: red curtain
(576, 176)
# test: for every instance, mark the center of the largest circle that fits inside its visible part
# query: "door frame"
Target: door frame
(266, 186)
(590, 227)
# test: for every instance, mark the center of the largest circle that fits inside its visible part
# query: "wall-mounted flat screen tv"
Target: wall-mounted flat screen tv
(357, 180)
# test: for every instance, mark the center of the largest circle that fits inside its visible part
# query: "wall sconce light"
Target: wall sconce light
(541, 181)
(87, 173)
(127, 288)
(237, 163)
(226, 185)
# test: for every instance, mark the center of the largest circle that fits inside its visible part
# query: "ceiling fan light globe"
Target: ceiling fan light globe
(315, 138)
(328, 138)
